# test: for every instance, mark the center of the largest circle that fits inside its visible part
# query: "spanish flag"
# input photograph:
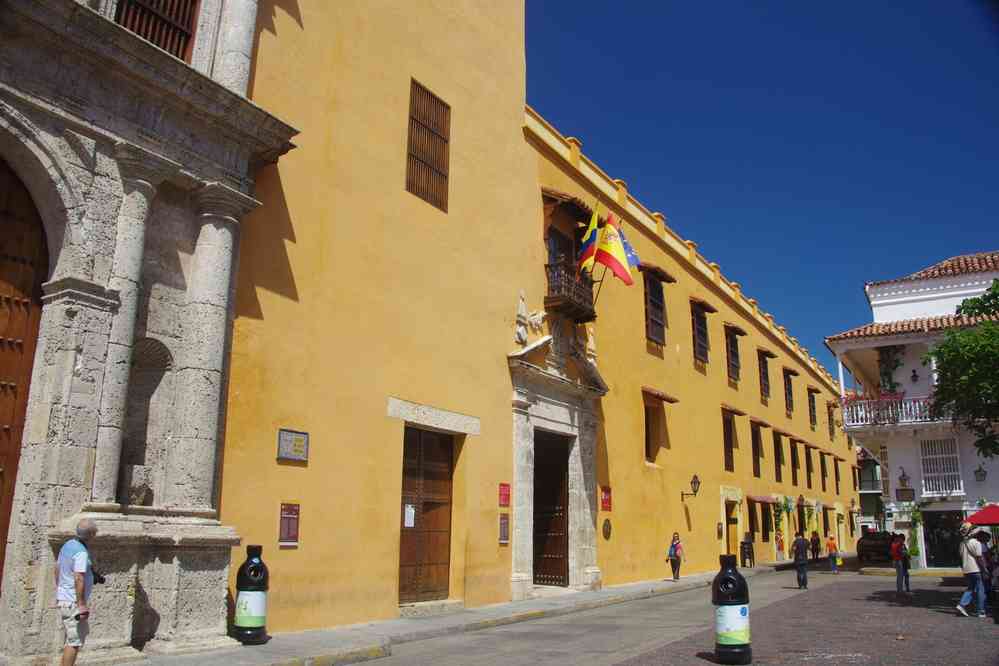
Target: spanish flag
(611, 252)
(588, 248)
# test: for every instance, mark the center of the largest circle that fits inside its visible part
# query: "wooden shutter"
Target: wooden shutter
(169, 24)
(753, 527)
(788, 392)
(699, 322)
(822, 470)
(655, 310)
(728, 427)
(813, 416)
(767, 522)
(757, 450)
(778, 458)
(732, 345)
(764, 374)
(428, 155)
(795, 462)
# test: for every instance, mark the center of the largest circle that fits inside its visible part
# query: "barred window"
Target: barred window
(757, 450)
(813, 416)
(428, 154)
(699, 319)
(732, 347)
(168, 25)
(728, 426)
(788, 390)
(941, 467)
(778, 458)
(655, 310)
(764, 362)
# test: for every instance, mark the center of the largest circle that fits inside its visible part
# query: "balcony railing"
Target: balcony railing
(870, 485)
(886, 411)
(570, 293)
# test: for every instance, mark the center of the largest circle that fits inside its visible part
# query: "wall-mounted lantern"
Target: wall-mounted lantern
(915, 376)
(695, 485)
(903, 479)
(980, 474)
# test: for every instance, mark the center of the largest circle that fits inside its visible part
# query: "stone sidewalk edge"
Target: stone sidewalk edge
(383, 647)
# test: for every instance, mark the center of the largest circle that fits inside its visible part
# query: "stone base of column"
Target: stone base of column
(166, 584)
(521, 585)
(592, 578)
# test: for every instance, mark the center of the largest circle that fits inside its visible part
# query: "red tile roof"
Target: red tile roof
(922, 325)
(981, 262)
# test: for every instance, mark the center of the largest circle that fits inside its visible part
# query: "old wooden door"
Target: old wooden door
(23, 267)
(425, 544)
(551, 515)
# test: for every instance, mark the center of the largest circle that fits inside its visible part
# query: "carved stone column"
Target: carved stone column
(521, 578)
(200, 368)
(237, 30)
(141, 174)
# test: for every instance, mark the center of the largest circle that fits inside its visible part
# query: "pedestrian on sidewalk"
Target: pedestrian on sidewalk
(899, 555)
(816, 545)
(799, 550)
(675, 555)
(74, 578)
(990, 564)
(833, 550)
(972, 567)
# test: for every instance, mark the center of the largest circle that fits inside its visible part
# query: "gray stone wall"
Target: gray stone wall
(141, 168)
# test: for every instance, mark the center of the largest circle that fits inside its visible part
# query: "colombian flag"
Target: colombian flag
(588, 248)
(611, 252)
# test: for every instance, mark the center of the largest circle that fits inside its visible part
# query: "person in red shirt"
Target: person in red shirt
(899, 554)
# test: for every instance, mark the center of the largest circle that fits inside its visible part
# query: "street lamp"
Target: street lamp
(695, 485)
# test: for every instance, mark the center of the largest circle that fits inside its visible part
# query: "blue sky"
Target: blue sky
(806, 147)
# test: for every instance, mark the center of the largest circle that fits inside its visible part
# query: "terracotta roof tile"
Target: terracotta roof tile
(922, 325)
(980, 262)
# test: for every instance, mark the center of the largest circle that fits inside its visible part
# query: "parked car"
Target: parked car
(874, 547)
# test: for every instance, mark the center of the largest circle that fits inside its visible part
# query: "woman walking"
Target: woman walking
(675, 555)
(833, 549)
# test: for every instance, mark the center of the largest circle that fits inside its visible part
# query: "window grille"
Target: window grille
(732, 346)
(778, 458)
(428, 155)
(764, 374)
(788, 392)
(941, 467)
(699, 319)
(168, 24)
(757, 450)
(728, 424)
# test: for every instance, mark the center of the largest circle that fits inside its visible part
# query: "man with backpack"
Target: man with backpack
(799, 549)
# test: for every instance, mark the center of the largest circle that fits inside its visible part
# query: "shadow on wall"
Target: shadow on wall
(266, 13)
(263, 257)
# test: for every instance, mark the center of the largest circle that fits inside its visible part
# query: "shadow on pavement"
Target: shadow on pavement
(707, 656)
(939, 600)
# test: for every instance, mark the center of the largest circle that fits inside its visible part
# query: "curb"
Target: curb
(913, 573)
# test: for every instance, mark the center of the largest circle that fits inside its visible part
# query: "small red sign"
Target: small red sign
(605, 498)
(504, 494)
(288, 533)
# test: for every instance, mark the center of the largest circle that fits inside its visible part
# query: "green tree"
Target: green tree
(967, 365)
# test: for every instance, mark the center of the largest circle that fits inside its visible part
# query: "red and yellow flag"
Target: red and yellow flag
(611, 253)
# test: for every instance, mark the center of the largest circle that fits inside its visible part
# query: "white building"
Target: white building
(925, 462)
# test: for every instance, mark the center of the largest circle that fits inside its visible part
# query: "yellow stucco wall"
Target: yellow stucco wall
(352, 290)
(647, 506)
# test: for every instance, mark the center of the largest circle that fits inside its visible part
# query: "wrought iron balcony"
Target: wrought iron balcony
(886, 411)
(570, 293)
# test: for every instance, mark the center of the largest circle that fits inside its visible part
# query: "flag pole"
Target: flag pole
(601, 286)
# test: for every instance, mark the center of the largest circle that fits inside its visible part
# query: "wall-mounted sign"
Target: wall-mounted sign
(504, 494)
(504, 528)
(288, 529)
(905, 494)
(607, 528)
(293, 445)
(605, 498)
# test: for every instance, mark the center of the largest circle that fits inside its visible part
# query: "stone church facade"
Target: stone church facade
(139, 167)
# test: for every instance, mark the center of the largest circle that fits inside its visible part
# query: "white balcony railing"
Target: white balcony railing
(886, 411)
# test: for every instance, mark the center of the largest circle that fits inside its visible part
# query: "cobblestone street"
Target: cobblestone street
(847, 619)
(857, 620)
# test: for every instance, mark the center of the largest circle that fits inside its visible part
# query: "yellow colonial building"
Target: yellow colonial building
(427, 404)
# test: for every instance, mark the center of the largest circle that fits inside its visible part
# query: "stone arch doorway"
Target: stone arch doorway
(23, 268)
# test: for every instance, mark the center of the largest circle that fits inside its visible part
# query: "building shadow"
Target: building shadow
(266, 14)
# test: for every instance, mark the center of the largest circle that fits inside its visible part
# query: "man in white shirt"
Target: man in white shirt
(74, 577)
(971, 553)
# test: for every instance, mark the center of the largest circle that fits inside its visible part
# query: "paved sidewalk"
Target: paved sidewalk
(361, 642)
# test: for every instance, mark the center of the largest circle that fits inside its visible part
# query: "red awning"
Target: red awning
(987, 516)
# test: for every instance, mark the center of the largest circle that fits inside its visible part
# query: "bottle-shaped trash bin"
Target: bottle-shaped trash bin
(252, 580)
(730, 595)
